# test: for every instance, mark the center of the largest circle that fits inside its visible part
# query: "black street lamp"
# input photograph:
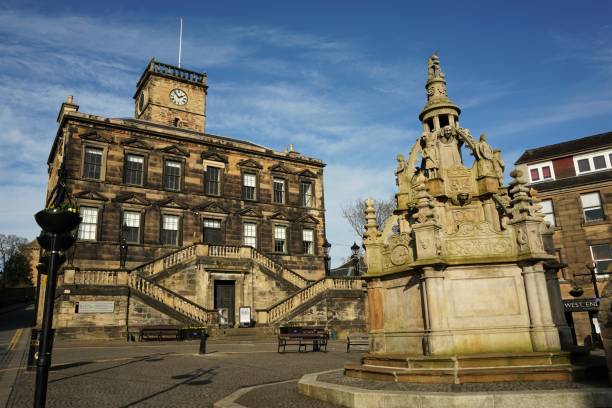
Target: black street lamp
(591, 267)
(326, 249)
(57, 223)
(355, 258)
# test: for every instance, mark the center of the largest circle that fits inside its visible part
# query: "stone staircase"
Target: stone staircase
(286, 307)
(191, 253)
(144, 287)
(142, 280)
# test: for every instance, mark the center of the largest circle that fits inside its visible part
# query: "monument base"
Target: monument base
(335, 388)
(479, 368)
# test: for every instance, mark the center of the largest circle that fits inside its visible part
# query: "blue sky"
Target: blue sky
(342, 81)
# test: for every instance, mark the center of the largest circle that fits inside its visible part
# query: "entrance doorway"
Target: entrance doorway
(225, 298)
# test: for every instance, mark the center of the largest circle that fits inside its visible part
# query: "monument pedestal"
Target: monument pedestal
(480, 368)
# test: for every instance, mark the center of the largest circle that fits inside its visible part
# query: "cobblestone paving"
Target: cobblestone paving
(339, 378)
(114, 374)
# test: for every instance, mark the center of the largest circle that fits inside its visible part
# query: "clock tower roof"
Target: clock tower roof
(171, 72)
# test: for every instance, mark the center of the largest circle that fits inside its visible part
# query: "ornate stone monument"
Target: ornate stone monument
(457, 287)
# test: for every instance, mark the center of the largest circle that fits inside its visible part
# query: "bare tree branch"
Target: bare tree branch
(354, 213)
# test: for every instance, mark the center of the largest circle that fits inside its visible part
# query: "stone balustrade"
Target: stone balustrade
(285, 307)
(171, 299)
(182, 255)
(94, 277)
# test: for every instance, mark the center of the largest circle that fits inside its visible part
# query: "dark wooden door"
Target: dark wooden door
(225, 297)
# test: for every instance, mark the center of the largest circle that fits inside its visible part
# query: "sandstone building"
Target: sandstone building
(211, 223)
(574, 181)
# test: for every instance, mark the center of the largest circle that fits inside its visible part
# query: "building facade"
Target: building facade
(574, 181)
(215, 222)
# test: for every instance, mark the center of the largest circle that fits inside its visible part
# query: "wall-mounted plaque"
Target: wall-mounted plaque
(96, 307)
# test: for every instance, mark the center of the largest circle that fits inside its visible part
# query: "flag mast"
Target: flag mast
(180, 42)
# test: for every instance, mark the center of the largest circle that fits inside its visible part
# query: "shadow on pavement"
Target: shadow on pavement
(19, 318)
(189, 379)
(155, 357)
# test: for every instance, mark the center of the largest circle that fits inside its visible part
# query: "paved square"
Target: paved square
(171, 374)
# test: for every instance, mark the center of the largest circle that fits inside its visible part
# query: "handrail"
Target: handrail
(168, 260)
(171, 299)
(291, 303)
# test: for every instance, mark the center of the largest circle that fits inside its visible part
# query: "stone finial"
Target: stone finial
(524, 202)
(371, 227)
(69, 99)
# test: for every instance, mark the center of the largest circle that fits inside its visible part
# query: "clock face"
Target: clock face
(178, 96)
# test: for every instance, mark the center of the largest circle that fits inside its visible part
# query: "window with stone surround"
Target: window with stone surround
(308, 241)
(306, 194)
(213, 181)
(279, 190)
(170, 229)
(548, 211)
(88, 227)
(172, 175)
(131, 226)
(280, 238)
(249, 186)
(591, 207)
(92, 163)
(249, 234)
(212, 231)
(134, 169)
(602, 256)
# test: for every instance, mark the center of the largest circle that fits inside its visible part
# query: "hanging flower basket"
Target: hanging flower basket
(576, 291)
(58, 220)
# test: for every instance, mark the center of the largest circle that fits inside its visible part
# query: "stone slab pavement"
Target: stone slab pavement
(172, 374)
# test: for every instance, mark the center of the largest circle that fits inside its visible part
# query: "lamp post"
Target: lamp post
(591, 267)
(355, 258)
(326, 248)
(56, 224)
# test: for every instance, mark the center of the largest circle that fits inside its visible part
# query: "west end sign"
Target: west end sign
(581, 305)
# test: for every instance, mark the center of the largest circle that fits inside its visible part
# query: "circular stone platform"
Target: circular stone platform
(334, 387)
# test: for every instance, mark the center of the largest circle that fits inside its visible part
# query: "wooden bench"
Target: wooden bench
(303, 337)
(356, 339)
(159, 332)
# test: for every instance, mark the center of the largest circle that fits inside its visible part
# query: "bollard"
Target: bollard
(32, 350)
(203, 337)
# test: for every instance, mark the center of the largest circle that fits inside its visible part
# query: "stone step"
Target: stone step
(468, 361)
(551, 372)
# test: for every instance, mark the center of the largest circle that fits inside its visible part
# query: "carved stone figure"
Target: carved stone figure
(430, 154)
(484, 156)
(499, 166)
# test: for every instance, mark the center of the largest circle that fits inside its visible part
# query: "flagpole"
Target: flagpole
(180, 42)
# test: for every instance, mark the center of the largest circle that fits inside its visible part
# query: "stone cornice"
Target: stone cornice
(180, 135)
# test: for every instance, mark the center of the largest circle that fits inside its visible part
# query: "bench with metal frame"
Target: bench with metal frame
(356, 339)
(303, 337)
(159, 332)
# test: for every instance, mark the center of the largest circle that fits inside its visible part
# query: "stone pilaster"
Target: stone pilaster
(440, 339)
(556, 303)
(544, 335)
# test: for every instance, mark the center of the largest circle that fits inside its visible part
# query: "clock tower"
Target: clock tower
(172, 96)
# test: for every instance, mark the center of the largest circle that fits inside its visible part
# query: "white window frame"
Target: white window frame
(249, 180)
(127, 219)
(538, 167)
(249, 239)
(603, 275)
(592, 207)
(311, 246)
(549, 215)
(90, 233)
(589, 156)
(280, 234)
(175, 225)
